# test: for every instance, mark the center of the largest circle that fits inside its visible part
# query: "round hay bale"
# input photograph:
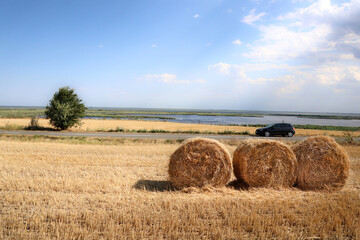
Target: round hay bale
(200, 162)
(265, 163)
(323, 164)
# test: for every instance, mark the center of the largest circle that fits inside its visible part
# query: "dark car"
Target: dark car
(284, 129)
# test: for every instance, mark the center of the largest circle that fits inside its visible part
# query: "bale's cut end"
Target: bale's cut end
(265, 163)
(323, 164)
(200, 162)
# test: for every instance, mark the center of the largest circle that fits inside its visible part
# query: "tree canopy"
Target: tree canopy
(65, 109)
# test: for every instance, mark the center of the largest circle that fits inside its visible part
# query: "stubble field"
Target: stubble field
(62, 190)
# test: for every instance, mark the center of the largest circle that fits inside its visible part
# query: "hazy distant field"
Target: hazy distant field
(77, 191)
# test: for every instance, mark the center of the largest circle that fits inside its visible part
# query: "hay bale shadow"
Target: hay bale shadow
(154, 186)
(238, 185)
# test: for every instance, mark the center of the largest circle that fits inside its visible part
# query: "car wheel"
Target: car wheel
(290, 134)
(267, 134)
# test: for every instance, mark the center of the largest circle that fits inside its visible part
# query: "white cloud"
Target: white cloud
(334, 74)
(252, 17)
(100, 46)
(165, 78)
(200, 80)
(258, 67)
(228, 69)
(279, 42)
(321, 30)
(318, 12)
(221, 67)
(282, 78)
(283, 84)
(169, 78)
(196, 15)
(229, 10)
(295, 1)
(239, 72)
(237, 42)
(292, 84)
(210, 43)
(153, 45)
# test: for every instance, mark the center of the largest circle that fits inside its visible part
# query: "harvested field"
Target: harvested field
(64, 190)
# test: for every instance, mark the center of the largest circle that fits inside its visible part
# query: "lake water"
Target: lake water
(225, 120)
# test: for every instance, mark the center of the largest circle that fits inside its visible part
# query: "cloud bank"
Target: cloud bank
(309, 56)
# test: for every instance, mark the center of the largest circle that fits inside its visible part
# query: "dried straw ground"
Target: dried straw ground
(105, 125)
(91, 191)
(265, 163)
(200, 162)
(323, 164)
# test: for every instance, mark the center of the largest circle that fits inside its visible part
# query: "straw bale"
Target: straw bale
(265, 163)
(200, 162)
(323, 164)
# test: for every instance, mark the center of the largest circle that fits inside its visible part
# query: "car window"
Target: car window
(270, 125)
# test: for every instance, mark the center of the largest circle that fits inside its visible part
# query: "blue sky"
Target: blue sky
(297, 55)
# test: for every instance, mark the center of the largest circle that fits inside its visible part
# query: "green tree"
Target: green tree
(65, 109)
